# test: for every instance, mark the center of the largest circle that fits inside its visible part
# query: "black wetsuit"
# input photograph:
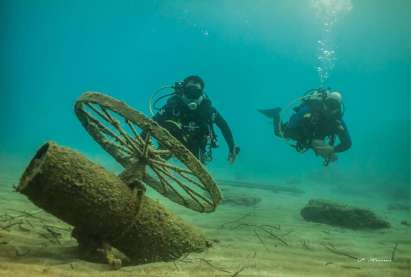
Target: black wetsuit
(308, 124)
(194, 128)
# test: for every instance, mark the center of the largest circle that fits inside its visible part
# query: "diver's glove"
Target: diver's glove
(233, 154)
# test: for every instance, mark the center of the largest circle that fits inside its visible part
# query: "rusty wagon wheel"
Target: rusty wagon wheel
(148, 151)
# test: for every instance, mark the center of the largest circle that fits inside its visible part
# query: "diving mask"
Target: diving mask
(192, 104)
(192, 92)
(192, 97)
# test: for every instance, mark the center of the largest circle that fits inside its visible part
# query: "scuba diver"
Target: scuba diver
(189, 116)
(315, 123)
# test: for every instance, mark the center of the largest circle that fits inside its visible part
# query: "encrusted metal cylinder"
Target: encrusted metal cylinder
(98, 204)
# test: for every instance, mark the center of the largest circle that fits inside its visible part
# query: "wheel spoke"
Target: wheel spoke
(125, 150)
(157, 157)
(98, 112)
(107, 131)
(188, 190)
(173, 167)
(160, 151)
(180, 171)
(130, 125)
(110, 118)
(164, 182)
(146, 146)
(116, 125)
(198, 184)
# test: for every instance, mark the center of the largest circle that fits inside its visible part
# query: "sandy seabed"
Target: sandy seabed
(268, 239)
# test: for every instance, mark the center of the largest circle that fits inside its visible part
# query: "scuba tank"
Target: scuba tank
(316, 99)
(313, 98)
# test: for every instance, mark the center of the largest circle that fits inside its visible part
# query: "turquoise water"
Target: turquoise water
(251, 54)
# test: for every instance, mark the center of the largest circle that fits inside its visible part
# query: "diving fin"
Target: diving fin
(271, 113)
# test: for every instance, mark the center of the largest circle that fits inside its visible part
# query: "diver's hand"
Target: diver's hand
(321, 149)
(327, 153)
(324, 151)
(332, 157)
(233, 154)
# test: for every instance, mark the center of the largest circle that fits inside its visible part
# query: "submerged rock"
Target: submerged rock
(287, 189)
(336, 214)
(246, 201)
(235, 198)
(399, 207)
(406, 223)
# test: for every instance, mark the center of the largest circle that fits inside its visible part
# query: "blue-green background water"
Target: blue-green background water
(251, 54)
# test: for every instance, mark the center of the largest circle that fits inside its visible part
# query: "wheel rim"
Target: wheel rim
(119, 130)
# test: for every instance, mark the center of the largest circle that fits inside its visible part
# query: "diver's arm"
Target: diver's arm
(161, 115)
(225, 129)
(165, 112)
(343, 136)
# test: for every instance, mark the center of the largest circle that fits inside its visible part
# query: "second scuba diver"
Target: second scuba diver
(315, 124)
(190, 117)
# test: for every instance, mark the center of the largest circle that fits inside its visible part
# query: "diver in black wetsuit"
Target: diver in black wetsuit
(316, 123)
(189, 116)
